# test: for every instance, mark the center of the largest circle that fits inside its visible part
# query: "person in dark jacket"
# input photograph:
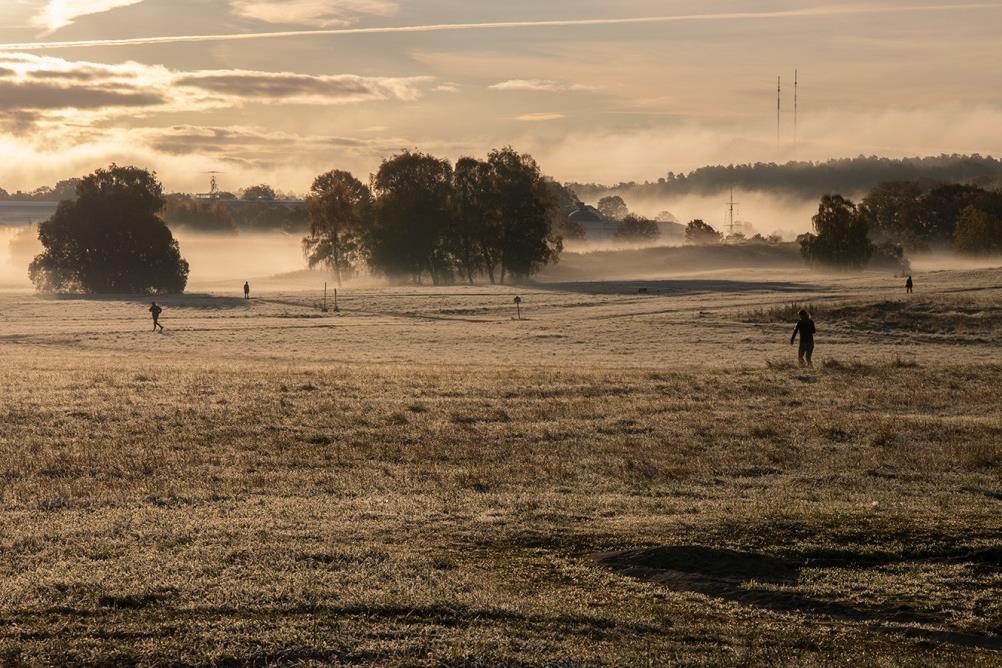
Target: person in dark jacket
(155, 311)
(806, 329)
(909, 285)
(246, 290)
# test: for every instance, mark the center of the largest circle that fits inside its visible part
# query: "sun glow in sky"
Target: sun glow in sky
(596, 90)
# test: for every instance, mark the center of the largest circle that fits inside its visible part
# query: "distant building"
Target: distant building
(596, 226)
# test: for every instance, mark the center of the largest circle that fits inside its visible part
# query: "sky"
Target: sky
(277, 91)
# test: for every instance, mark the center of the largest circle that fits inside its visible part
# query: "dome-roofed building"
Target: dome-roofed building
(595, 225)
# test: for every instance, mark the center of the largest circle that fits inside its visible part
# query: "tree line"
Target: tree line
(919, 217)
(809, 180)
(230, 216)
(421, 217)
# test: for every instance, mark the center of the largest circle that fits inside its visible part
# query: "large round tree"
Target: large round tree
(111, 239)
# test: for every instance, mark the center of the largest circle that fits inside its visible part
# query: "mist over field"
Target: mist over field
(240, 257)
(767, 213)
(536, 403)
(214, 258)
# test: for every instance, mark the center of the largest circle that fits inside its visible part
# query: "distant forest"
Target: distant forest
(809, 180)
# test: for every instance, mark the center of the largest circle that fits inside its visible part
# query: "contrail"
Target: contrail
(499, 25)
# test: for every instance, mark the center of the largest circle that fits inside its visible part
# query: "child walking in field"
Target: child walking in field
(155, 311)
(806, 329)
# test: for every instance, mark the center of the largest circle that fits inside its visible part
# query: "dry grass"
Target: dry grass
(785, 313)
(218, 513)
(217, 510)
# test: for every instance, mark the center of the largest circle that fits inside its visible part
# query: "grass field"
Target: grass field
(421, 479)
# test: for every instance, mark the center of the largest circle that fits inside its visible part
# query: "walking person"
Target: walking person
(909, 285)
(155, 311)
(246, 290)
(806, 329)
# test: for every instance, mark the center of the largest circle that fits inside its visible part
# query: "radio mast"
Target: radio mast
(796, 102)
(779, 107)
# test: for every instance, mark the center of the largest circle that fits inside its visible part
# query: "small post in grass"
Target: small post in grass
(324, 308)
(336, 309)
(518, 306)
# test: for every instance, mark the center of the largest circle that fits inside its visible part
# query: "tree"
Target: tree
(65, 189)
(888, 255)
(698, 233)
(978, 232)
(110, 240)
(635, 228)
(527, 241)
(563, 202)
(258, 193)
(613, 207)
(267, 216)
(413, 203)
(840, 239)
(893, 212)
(474, 220)
(340, 214)
(199, 214)
(942, 206)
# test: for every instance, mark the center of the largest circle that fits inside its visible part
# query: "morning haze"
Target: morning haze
(474, 333)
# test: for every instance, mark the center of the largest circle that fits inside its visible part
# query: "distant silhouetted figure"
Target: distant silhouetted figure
(155, 311)
(909, 285)
(805, 327)
(246, 290)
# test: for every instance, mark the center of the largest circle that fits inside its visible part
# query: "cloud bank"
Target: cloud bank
(39, 89)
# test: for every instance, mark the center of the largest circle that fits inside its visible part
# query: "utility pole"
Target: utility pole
(731, 204)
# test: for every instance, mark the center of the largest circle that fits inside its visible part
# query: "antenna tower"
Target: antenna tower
(796, 102)
(779, 107)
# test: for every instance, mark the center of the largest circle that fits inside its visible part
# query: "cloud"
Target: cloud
(540, 117)
(302, 88)
(31, 96)
(60, 13)
(39, 89)
(447, 87)
(35, 90)
(255, 145)
(540, 85)
(312, 12)
(821, 12)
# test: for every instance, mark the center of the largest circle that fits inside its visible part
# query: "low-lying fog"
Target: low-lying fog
(214, 259)
(767, 214)
(219, 262)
